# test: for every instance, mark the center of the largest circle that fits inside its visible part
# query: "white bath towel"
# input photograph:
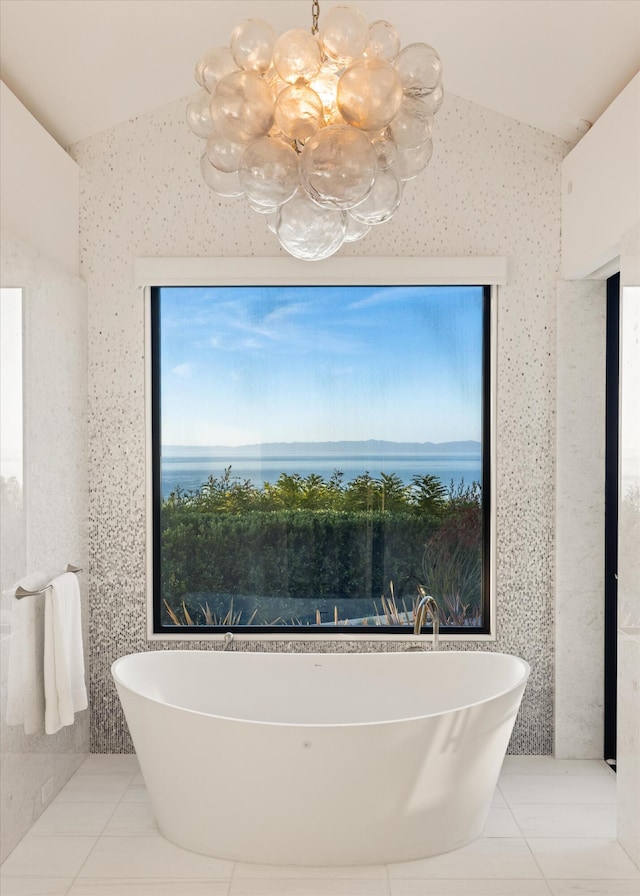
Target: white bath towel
(64, 685)
(25, 691)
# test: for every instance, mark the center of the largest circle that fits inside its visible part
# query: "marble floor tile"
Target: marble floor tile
(498, 799)
(566, 820)
(550, 832)
(114, 764)
(308, 887)
(247, 871)
(73, 819)
(547, 765)
(111, 886)
(593, 887)
(558, 789)
(48, 856)
(487, 857)
(501, 823)
(131, 819)
(34, 886)
(136, 792)
(94, 788)
(583, 858)
(477, 887)
(150, 857)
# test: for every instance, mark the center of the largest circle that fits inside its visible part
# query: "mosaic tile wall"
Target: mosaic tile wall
(492, 188)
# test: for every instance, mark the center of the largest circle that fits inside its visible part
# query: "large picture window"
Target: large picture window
(320, 453)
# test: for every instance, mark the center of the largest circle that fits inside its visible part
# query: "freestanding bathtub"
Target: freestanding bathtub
(320, 759)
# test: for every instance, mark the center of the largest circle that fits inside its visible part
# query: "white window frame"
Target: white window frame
(278, 271)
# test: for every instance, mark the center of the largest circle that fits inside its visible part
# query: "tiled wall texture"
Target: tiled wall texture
(52, 530)
(492, 188)
(580, 481)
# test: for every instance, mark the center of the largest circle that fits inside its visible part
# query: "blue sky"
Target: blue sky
(242, 365)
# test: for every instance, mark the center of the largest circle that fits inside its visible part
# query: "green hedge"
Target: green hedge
(305, 546)
(291, 554)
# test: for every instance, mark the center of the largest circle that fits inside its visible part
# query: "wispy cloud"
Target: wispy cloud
(385, 295)
(183, 370)
(286, 312)
(246, 325)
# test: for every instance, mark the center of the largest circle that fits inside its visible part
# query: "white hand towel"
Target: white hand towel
(25, 693)
(64, 685)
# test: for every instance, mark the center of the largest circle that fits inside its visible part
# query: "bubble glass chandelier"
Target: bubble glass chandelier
(317, 130)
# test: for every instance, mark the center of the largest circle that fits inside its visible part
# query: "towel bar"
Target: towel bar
(21, 592)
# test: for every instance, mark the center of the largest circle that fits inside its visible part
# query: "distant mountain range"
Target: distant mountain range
(324, 449)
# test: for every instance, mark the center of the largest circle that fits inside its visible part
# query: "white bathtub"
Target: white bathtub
(320, 759)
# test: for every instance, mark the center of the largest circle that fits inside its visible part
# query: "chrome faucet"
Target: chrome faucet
(427, 604)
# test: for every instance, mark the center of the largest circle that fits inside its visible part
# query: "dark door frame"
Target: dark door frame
(611, 517)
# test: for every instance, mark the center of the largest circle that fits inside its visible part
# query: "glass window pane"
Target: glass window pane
(320, 453)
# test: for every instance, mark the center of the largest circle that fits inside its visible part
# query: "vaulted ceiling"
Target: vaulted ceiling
(82, 66)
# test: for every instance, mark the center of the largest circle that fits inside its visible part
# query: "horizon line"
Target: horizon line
(322, 442)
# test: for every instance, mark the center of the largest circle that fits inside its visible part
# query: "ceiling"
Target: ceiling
(82, 66)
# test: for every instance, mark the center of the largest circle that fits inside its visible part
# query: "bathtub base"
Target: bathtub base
(385, 853)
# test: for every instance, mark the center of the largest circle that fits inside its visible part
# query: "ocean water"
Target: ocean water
(190, 472)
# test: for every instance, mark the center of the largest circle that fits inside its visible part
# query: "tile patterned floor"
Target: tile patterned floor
(550, 832)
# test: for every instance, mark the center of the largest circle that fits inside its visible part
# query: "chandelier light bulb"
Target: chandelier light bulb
(410, 162)
(412, 124)
(213, 66)
(386, 149)
(382, 200)
(242, 107)
(309, 231)
(317, 131)
(325, 85)
(199, 114)
(251, 45)
(344, 34)
(369, 94)
(338, 167)
(268, 173)
(420, 69)
(297, 56)
(224, 183)
(299, 112)
(225, 155)
(384, 41)
(356, 230)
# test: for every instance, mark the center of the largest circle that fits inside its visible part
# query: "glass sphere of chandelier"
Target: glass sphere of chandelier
(320, 130)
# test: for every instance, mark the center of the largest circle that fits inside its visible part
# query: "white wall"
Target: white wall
(601, 227)
(39, 186)
(601, 187)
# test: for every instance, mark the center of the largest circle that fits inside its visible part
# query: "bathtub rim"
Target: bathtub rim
(525, 669)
